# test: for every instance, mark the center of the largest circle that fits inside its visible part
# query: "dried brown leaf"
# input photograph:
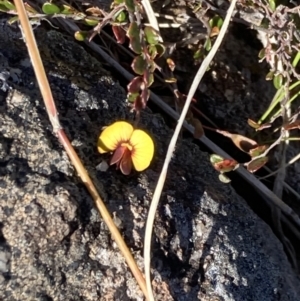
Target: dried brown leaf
(245, 144)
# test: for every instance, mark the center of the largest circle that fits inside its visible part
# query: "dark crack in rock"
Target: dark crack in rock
(208, 244)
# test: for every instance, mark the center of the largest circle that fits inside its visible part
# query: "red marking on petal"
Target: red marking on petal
(126, 162)
(118, 154)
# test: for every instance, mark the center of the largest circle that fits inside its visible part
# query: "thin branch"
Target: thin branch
(278, 184)
(292, 161)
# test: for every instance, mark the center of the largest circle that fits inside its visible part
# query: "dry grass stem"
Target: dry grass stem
(53, 115)
(163, 174)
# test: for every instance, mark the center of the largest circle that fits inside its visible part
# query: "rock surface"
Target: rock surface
(208, 244)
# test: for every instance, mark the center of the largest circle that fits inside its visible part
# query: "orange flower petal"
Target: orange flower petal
(142, 149)
(113, 135)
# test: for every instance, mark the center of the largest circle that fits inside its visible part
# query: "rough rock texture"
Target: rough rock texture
(53, 244)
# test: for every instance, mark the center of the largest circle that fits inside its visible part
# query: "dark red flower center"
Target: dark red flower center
(122, 157)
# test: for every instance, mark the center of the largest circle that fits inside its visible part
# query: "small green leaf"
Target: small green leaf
(139, 65)
(121, 17)
(207, 44)
(198, 54)
(224, 179)
(257, 151)
(152, 51)
(3, 8)
(135, 45)
(67, 10)
(50, 8)
(12, 20)
(90, 21)
(277, 81)
(81, 35)
(215, 159)
(152, 66)
(216, 21)
(9, 5)
(148, 78)
(133, 34)
(152, 37)
(256, 164)
(130, 5)
(219, 22)
(118, 2)
(272, 5)
(133, 30)
(131, 97)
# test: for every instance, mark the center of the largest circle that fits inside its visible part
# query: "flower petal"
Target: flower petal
(118, 154)
(126, 162)
(142, 149)
(113, 135)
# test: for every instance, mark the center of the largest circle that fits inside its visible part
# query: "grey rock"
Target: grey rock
(208, 244)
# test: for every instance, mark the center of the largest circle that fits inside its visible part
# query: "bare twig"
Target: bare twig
(278, 185)
(292, 161)
(53, 116)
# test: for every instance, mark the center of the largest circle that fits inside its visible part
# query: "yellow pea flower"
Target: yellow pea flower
(130, 146)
